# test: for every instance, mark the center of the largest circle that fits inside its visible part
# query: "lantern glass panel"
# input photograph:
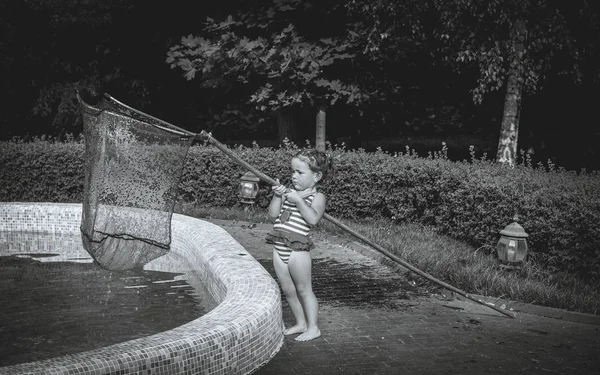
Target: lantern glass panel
(511, 250)
(521, 250)
(501, 248)
(248, 189)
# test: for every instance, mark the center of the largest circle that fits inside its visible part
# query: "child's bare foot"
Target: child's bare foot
(309, 334)
(295, 329)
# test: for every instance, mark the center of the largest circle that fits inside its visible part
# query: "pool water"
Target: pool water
(54, 300)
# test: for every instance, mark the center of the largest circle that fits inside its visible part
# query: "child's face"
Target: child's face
(303, 177)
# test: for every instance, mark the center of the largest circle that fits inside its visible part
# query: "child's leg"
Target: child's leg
(299, 266)
(287, 285)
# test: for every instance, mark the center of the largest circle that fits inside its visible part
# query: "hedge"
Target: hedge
(469, 200)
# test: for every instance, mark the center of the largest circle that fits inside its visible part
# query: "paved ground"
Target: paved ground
(378, 320)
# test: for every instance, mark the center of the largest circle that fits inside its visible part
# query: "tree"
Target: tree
(516, 45)
(264, 49)
(513, 45)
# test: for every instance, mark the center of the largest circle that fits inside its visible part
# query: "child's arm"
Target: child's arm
(277, 200)
(313, 213)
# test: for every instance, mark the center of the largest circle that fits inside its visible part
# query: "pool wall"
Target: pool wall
(243, 332)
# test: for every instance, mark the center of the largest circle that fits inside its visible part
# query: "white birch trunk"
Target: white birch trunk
(509, 129)
(320, 129)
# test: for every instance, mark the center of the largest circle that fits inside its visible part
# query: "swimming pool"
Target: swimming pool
(57, 300)
(239, 335)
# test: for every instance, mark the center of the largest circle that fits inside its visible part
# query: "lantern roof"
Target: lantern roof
(251, 177)
(514, 229)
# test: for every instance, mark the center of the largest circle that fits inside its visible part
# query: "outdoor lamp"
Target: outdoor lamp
(512, 246)
(248, 188)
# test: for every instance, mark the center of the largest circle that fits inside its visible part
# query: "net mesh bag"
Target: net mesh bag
(133, 166)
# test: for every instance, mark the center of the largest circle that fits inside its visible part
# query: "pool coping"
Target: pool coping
(242, 333)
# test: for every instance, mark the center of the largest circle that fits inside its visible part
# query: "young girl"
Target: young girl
(296, 211)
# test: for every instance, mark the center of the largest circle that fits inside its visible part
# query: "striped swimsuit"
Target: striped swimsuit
(290, 231)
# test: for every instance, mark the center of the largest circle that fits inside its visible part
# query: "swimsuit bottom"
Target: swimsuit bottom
(292, 240)
(285, 242)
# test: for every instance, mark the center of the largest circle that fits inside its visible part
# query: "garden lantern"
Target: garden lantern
(512, 246)
(248, 188)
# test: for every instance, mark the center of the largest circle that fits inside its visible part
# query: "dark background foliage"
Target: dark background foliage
(50, 47)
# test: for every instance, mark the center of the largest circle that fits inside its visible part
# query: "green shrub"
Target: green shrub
(470, 200)
(41, 171)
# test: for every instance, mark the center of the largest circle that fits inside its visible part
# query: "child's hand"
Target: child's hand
(292, 196)
(279, 189)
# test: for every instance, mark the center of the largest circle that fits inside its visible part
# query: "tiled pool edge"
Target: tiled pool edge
(242, 333)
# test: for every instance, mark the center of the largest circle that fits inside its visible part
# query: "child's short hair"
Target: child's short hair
(317, 161)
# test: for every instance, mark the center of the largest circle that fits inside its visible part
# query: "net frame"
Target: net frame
(122, 233)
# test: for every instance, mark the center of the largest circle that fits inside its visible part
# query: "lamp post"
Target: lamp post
(512, 246)
(248, 188)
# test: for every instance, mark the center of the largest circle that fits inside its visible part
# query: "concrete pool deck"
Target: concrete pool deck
(243, 332)
(370, 325)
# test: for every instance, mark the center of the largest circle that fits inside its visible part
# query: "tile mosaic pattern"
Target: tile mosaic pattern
(242, 333)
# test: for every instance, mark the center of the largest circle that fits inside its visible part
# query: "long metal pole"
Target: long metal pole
(269, 180)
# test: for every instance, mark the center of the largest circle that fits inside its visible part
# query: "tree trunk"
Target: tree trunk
(286, 125)
(320, 129)
(509, 130)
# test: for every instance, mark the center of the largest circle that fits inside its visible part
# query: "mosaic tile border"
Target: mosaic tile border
(238, 336)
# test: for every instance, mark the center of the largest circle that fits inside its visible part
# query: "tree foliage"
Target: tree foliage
(477, 34)
(550, 47)
(267, 50)
(384, 68)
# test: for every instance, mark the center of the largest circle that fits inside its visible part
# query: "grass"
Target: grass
(471, 270)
